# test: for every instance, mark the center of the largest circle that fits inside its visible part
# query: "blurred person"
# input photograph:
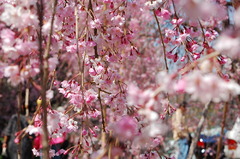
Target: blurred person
(232, 148)
(180, 131)
(11, 141)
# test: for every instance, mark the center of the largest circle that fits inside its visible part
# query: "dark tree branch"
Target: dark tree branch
(198, 131)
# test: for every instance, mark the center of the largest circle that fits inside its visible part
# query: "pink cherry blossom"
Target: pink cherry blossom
(228, 44)
(96, 23)
(165, 14)
(125, 128)
(209, 87)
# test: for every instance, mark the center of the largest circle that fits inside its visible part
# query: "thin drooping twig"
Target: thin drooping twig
(198, 131)
(81, 69)
(77, 33)
(45, 142)
(46, 54)
(103, 115)
(19, 102)
(203, 34)
(27, 99)
(95, 29)
(174, 8)
(163, 45)
(43, 56)
(102, 111)
(161, 37)
(222, 130)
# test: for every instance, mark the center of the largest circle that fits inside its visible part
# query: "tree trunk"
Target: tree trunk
(198, 131)
(222, 131)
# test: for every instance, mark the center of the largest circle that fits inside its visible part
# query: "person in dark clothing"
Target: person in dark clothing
(14, 125)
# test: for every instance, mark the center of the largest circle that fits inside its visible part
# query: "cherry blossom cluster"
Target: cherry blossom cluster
(58, 125)
(228, 42)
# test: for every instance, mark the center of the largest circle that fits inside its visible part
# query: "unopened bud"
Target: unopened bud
(39, 102)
